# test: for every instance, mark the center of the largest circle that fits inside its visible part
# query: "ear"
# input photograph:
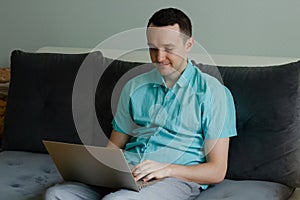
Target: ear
(189, 44)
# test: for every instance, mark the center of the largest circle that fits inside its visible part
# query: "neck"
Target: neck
(170, 83)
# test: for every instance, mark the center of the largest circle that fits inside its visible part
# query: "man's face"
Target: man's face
(168, 49)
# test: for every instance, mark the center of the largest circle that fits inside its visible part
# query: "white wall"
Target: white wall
(240, 27)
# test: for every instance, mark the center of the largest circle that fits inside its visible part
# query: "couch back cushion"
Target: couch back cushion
(40, 100)
(267, 101)
(113, 79)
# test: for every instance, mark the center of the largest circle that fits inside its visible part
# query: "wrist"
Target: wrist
(171, 170)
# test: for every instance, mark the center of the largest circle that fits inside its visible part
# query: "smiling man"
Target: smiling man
(174, 122)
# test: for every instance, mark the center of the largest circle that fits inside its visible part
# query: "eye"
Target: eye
(153, 49)
(168, 50)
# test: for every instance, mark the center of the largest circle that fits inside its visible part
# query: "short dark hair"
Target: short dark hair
(171, 16)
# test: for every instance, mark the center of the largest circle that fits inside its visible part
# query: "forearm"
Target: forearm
(112, 145)
(206, 173)
(117, 140)
(213, 171)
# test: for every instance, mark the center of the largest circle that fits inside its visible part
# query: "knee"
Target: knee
(72, 190)
(111, 197)
(53, 193)
(122, 194)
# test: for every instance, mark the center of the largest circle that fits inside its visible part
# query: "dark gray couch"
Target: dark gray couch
(264, 158)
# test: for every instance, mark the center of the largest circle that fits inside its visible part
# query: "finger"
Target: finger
(141, 175)
(145, 162)
(143, 172)
(149, 177)
(141, 167)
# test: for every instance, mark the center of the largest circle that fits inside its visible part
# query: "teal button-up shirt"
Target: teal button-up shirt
(170, 125)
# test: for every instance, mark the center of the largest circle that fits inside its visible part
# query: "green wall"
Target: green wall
(257, 27)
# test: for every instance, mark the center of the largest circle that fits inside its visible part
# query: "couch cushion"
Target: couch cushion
(247, 190)
(267, 103)
(40, 99)
(26, 175)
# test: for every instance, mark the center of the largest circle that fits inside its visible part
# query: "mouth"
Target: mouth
(163, 65)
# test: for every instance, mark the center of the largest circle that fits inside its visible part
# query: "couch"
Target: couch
(46, 100)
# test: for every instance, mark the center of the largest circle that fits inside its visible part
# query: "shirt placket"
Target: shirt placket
(162, 115)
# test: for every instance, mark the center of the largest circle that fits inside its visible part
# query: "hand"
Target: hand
(150, 169)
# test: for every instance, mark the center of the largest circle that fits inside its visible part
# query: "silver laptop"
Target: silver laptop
(98, 166)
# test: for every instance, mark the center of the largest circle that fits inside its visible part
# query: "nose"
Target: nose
(161, 55)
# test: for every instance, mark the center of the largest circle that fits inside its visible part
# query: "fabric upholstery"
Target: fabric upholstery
(40, 100)
(246, 190)
(115, 70)
(267, 103)
(26, 175)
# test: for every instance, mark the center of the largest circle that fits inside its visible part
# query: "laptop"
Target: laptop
(92, 165)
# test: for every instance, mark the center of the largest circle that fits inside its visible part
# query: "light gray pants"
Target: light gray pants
(168, 188)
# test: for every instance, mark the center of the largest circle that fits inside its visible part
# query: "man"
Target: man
(173, 122)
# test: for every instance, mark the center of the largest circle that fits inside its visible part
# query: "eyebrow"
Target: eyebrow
(164, 45)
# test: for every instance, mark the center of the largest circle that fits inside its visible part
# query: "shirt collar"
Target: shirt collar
(157, 79)
(186, 75)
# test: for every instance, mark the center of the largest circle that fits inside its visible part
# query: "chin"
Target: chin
(165, 72)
